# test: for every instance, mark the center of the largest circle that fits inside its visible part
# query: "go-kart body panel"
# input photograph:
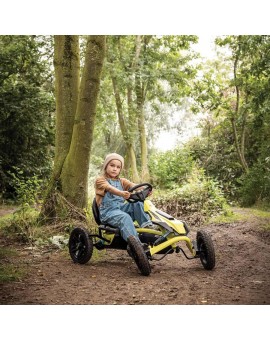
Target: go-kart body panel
(157, 215)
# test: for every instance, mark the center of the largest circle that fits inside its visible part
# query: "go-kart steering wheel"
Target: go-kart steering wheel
(140, 195)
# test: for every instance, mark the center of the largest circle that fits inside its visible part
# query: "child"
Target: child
(111, 193)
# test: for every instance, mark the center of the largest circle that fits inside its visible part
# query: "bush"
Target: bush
(195, 201)
(24, 223)
(27, 189)
(171, 168)
(255, 185)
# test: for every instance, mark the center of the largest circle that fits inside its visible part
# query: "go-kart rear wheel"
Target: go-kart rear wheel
(80, 245)
(206, 249)
(137, 252)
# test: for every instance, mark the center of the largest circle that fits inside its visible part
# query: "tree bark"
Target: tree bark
(145, 176)
(240, 147)
(74, 177)
(240, 154)
(75, 118)
(133, 121)
(126, 133)
(67, 71)
(140, 94)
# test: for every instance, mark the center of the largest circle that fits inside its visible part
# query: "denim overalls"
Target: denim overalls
(115, 211)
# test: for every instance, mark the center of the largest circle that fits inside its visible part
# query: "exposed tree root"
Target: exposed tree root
(58, 210)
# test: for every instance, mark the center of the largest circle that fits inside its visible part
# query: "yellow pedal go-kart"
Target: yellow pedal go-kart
(165, 238)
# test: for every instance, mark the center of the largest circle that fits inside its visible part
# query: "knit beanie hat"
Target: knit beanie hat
(110, 157)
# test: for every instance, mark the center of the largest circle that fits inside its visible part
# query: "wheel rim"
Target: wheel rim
(78, 246)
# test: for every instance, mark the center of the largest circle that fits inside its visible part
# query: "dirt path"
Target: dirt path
(241, 276)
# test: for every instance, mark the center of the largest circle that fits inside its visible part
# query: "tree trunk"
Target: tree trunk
(144, 149)
(240, 148)
(126, 134)
(74, 177)
(75, 118)
(67, 71)
(145, 176)
(240, 154)
(140, 94)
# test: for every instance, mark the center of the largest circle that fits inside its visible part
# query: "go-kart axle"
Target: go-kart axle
(178, 249)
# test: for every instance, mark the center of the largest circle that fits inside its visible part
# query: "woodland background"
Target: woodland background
(147, 82)
(236, 17)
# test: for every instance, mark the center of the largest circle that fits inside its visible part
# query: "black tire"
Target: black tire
(137, 252)
(206, 249)
(80, 245)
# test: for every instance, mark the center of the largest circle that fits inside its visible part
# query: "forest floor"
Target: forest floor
(241, 275)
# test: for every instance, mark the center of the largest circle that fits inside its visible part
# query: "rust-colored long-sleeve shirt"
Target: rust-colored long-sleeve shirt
(102, 185)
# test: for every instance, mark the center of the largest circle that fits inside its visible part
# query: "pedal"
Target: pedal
(100, 245)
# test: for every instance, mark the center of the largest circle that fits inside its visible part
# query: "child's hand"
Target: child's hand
(126, 194)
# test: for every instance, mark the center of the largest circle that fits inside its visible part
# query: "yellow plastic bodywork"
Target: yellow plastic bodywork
(177, 225)
(171, 239)
(172, 242)
(109, 237)
(174, 237)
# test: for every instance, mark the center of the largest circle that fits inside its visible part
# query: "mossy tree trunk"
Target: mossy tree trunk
(74, 176)
(67, 71)
(75, 118)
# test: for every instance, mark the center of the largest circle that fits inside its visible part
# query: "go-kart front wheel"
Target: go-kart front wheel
(206, 249)
(136, 250)
(80, 245)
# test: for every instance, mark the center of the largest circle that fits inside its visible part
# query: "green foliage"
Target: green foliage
(171, 168)
(232, 217)
(214, 152)
(24, 222)
(255, 185)
(195, 201)
(234, 92)
(23, 225)
(192, 195)
(26, 106)
(163, 73)
(203, 191)
(28, 189)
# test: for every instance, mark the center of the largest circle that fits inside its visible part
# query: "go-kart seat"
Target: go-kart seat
(95, 211)
(106, 227)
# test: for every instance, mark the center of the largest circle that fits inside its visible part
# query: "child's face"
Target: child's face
(113, 168)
